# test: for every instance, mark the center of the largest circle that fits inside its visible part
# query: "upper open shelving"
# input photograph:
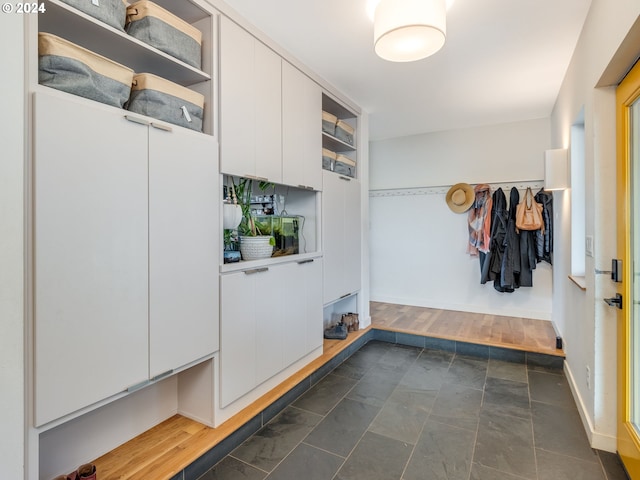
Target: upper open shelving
(67, 22)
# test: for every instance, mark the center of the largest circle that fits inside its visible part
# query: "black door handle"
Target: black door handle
(615, 301)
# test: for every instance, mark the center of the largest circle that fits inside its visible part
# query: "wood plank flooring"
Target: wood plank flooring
(497, 331)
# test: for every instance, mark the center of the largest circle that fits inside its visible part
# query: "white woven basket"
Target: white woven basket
(255, 248)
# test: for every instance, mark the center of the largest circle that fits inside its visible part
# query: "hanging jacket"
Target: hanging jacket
(544, 241)
(510, 267)
(479, 221)
(528, 259)
(493, 261)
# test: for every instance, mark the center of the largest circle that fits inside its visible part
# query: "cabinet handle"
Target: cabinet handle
(253, 177)
(160, 126)
(306, 187)
(256, 270)
(141, 121)
(137, 386)
(302, 262)
(162, 375)
(344, 178)
(345, 295)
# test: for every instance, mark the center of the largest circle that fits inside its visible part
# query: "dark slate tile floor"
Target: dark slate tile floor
(396, 412)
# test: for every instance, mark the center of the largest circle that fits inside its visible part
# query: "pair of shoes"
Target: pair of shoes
(86, 471)
(337, 332)
(352, 322)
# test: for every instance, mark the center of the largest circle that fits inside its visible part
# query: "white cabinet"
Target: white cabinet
(250, 105)
(303, 330)
(251, 330)
(238, 335)
(270, 113)
(301, 126)
(340, 236)
(125, 252)
(90, 255)
(183, 248)
(271, 317)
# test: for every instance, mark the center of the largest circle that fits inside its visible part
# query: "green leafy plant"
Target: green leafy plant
(230, 239)
(249, 226)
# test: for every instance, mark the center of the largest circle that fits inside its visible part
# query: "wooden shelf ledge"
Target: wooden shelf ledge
(164, 450)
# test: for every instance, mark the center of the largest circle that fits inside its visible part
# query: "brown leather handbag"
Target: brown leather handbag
(529, 213)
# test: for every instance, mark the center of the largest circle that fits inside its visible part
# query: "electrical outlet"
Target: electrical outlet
(588, 245)
(588, 377)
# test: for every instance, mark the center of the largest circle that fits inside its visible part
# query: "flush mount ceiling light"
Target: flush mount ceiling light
(408, 30)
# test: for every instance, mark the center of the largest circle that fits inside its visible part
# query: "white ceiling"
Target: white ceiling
(503, 61)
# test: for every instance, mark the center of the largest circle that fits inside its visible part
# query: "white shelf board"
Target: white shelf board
(336, 145)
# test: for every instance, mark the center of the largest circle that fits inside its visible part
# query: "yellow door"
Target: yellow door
(628, 205)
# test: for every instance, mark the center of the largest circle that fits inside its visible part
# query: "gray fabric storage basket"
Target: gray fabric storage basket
(73, 69)
(111, 12)
(329, 123)
(328, 159)
(344, 132)
(154, 25)
(159, 98)
(344, 166)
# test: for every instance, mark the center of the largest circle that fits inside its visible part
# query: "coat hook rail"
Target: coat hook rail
(443, 189)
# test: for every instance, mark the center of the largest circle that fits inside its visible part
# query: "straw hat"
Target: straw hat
(460, 197)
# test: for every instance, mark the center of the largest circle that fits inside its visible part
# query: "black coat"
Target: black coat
(544, 241)
(512, 255)
(510, 268)
(492, 263)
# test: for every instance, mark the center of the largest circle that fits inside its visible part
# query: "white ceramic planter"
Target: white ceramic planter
(255, 248)
(231, 216)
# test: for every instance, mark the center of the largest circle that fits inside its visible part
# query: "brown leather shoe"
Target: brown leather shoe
(87, 472)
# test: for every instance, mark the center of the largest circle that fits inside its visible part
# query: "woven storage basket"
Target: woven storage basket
(159, 98)
(329, 123)
(345, 166)
(111, 12)
(159, 28)
(344, 132)
(328, 159)
(73, 69)
(255, 248)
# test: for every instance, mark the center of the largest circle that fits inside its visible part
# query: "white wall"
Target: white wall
(588, 325)
(418, 245)
(12, 442)
(496, 153)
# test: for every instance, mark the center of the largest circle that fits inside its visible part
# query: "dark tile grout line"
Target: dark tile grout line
(205, 462)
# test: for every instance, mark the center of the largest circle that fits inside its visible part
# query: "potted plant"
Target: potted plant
(254, 242)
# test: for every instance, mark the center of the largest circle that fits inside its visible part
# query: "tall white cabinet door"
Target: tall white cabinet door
(333, 225)
(295, 335)
(313, 296)
(237, 100)
(237, 336)
(268, 113)
(183, 248)
(270, 307)
(90, 255)
(304, 309)
(301, 124)
(352, 265)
